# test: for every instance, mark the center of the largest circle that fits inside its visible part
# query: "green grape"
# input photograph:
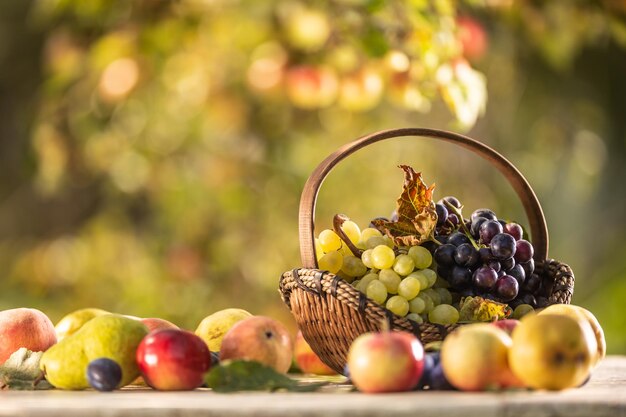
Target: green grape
(421, 277)
(345, 277)
(415, 317)
(356, 283)
(444, 294)
(441, 283)
(331, 262)
(377, 291)
(374, 241)
(366, 258)
(364, 282)
(409, 288)
(430, 275)
(329, 240)
(369, 232)
(417, 305)
(403, 265)
(434, 295)
(398, 305)
(521, 310)
(443, 314)
(319, 252)
(390, 279)
(421, 257)
(383, 257)
(429, 304)
(389, 242)
(353, 266)
(352, 230)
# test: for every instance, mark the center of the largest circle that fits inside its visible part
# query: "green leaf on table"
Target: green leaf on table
(240, 375)
(21, 371)
(481, 309)
(417, 216)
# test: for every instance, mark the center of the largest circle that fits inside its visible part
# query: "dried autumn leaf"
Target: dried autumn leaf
(417, 216)
(21, 371)
(481, 309)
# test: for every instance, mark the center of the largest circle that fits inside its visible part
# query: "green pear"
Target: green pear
(111, 336)
(75, 320)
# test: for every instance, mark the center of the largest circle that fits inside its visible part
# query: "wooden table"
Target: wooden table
(604, 395)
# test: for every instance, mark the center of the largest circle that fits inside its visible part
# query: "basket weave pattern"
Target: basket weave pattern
(331, 313)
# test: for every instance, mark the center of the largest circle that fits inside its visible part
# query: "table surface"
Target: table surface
(604, 395)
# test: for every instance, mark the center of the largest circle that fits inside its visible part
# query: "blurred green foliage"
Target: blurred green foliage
(153, 152)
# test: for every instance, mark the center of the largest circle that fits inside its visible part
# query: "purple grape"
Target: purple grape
(215, 358)
(438, 380)
(502, 246)
(458, 238)
(485, 254)
(488, 230)
(453, 219)
(444, 255)
(495, 265)
(483, 212)
(444, 271)
(430, 361)
(529, 267)
(514, 230)
(104, 374)
(442, 214)
(475, 226)
(523, 251)
(451, 200)
(501, 273)
(518, 273)
(532, 284)
(528, 299)
(466, 255)
(507, 288)
(507, 264)
(460, 277)
(485, 278)
(467, 292)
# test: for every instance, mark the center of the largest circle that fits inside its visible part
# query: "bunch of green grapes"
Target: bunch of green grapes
(400, 279)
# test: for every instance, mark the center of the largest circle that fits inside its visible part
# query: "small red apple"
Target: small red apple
(173, 359)
(473, 37)
(153, 323)
(260, 339)
(507, 325)
(386, 362)
(307, 360)
(310, 87)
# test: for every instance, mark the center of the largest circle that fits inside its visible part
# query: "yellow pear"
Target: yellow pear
(552, 351)
(75, 320)
(213, 328)
(580, 313)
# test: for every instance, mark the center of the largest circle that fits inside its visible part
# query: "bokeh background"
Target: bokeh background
(152, 153)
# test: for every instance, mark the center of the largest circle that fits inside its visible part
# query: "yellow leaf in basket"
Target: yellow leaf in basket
(480, 309)
(417, 216)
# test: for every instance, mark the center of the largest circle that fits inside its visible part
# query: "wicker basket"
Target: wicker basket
(331, 313)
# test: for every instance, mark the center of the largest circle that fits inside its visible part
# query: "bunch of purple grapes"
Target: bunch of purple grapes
(484, 256)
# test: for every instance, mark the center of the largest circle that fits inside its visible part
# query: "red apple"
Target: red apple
(386, 362)
(172, 359)
(260, 339)
(153, 323)
(25, 327)
(310, 87)
(507, 325)
(473, 37)
(307, 360)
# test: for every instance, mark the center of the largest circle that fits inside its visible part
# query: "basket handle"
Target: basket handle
(537, 221)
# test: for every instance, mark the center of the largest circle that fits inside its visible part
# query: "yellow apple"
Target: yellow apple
(585, 315)
(552, 351)
(475, 358)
